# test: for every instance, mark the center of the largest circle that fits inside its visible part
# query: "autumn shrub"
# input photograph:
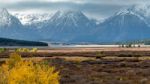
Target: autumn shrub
(2, 50)
(34, 50)
(26, 50)
(22, 50)
(18, 71)
(99, 55)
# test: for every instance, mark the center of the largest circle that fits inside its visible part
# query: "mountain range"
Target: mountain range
(74, 26)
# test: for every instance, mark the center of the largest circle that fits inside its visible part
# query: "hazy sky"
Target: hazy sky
(93, 8)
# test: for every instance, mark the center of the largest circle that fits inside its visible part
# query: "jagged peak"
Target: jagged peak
(69, 13)
(142, 9)
(125, 11)
(130, 11)
(7, 20)
(4, 11)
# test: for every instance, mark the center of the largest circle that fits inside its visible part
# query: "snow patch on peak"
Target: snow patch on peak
(142, 9)
(32, 18)
(5, 18)
(125, 11)
(131, 11)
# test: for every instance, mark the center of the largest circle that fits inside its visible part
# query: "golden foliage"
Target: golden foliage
(19, 71)
(26, 50)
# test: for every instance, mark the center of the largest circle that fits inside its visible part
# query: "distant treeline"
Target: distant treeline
(145, 42)
(12, 42)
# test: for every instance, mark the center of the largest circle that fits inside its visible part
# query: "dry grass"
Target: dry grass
(103, 71)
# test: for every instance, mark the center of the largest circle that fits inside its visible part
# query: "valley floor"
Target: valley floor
(96, 65)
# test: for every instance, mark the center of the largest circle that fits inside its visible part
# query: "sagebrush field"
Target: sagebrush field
(75, 66)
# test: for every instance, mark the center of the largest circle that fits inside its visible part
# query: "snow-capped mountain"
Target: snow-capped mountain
(33, 20)
(11, 27)
(30, 18)
(7, 20)
(74, 26)
(67, 25)
(143, 11)
(62, 26)
(125, 25)
(70, 19)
